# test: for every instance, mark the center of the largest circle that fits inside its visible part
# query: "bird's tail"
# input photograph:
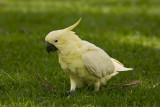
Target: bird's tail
(119, 67)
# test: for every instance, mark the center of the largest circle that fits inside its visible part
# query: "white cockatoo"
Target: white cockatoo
(85, 63)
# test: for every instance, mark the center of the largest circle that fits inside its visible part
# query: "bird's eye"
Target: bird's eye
(56, 40)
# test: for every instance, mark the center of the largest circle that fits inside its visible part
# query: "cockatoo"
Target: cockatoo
(85, 63)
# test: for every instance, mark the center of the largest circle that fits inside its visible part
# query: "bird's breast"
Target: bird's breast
(70, 62)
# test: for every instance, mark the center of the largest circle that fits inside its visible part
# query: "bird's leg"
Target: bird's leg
(96, 86)
(73, 86)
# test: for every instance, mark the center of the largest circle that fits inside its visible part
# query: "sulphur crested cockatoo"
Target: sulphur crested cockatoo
(85, 63)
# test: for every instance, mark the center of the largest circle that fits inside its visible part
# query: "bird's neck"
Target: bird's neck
(69, 49)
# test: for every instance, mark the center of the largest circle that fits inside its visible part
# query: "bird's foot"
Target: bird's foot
(71, 92)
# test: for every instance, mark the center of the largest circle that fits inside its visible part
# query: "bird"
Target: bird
(84, 62)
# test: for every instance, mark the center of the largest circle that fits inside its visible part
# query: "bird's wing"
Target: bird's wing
(98, 63)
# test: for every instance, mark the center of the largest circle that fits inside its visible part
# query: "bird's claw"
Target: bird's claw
(70, 92)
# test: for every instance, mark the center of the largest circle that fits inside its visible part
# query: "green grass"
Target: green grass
(128, 30)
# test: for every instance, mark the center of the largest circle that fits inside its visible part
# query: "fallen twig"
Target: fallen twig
(49, 88)
(131, 83)
(125, 85)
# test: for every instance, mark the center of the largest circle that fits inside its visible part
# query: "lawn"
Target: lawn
(128, 30)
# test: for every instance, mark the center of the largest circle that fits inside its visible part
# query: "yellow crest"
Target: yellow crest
(73, 26)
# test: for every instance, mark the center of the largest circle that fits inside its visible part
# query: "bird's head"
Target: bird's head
(61, 39)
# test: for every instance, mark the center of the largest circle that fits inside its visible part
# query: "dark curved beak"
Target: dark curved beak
(50, 47)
